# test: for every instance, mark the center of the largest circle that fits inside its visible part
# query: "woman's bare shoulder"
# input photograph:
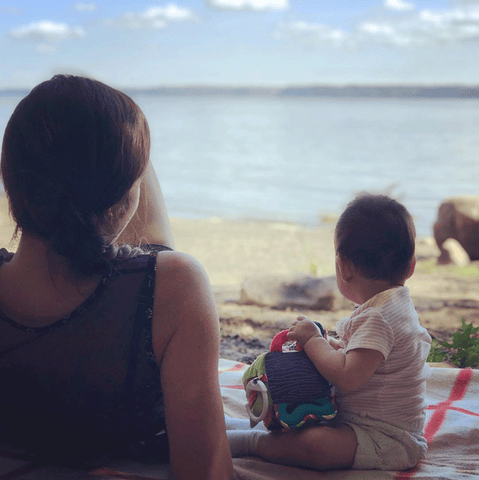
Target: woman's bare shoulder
(178, 274)
(183, 299)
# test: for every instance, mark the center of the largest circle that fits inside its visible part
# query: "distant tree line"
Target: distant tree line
(351, 91)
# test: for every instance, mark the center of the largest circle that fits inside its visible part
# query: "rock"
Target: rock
(426, 248)
(304, 292)
(453, 253)
(458, 218)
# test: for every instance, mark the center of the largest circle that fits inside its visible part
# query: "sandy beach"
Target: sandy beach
(232, 250)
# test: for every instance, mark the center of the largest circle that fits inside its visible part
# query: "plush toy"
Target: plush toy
(285, 390)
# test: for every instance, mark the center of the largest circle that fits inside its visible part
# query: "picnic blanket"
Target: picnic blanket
(452, 431)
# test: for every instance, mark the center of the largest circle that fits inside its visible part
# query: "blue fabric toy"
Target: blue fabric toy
(285, 390)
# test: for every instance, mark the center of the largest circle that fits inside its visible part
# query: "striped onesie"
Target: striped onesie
(387, 412)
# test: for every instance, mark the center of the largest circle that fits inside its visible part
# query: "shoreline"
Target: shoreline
(231, 251)
(322, 219)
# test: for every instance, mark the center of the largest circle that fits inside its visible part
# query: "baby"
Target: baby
(378, 364)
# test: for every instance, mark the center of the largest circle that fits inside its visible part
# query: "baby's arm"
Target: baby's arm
(346, 371)
(335, 343)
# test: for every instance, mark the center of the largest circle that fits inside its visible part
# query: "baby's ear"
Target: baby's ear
(346, 268)
(413, 266)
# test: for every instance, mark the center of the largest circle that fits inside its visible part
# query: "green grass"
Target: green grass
(430, 266)
(462, 352)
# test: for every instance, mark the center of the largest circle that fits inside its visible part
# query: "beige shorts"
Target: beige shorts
(382, 446)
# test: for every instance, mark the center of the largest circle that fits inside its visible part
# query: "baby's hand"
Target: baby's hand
(302, 330)
(335, 343)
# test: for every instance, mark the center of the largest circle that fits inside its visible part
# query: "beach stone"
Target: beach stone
(453, 253)
(458, 218)
(314, 293)
(426, 248)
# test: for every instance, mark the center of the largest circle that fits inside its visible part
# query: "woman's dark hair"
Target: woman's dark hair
(73, 148)
(376, 233)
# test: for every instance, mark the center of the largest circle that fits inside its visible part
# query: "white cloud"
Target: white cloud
(452, 25)
(428, 27)
(256, 5)
(89, 7)
(312, 33)
(384, 33)
(153, 17)
(47, 31)
(398, 5)
(377, 28)
(411, 28)
(451, 17)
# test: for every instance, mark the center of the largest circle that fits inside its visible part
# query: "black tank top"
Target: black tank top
(87, 384)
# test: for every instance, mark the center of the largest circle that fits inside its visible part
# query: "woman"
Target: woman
(102, 348)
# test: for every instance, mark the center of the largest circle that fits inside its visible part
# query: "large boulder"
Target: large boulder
(453, 253)
(458, 218)
(314, 293)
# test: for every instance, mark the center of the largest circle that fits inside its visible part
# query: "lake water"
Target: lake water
(300, 159)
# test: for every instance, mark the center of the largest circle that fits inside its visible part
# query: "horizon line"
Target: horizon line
(283, 86)
(351, 90)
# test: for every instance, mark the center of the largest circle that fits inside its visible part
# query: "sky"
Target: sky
(145, 44)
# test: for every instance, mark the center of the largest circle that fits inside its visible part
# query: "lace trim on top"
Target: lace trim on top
(148, 294)
(6, 256)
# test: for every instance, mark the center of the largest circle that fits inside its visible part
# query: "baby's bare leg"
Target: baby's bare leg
(319, 448)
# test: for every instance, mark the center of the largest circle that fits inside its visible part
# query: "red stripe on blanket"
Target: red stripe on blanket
(237, 387)
(457, 393)
(463, 410)
(457, 409)
(437, 419)
(234, 368)
(405, 475)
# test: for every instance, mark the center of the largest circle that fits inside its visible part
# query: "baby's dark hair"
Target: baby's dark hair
(376, 233)
(72, 150)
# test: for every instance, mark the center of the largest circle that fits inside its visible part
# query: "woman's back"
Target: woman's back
(34, 295)
(97, 361)
(88, 360)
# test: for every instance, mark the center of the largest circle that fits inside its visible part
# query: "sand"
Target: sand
(232, 250)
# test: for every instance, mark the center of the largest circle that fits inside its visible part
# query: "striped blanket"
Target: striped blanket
(452, 431)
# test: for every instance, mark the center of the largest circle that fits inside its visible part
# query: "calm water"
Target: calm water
(298, 159)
